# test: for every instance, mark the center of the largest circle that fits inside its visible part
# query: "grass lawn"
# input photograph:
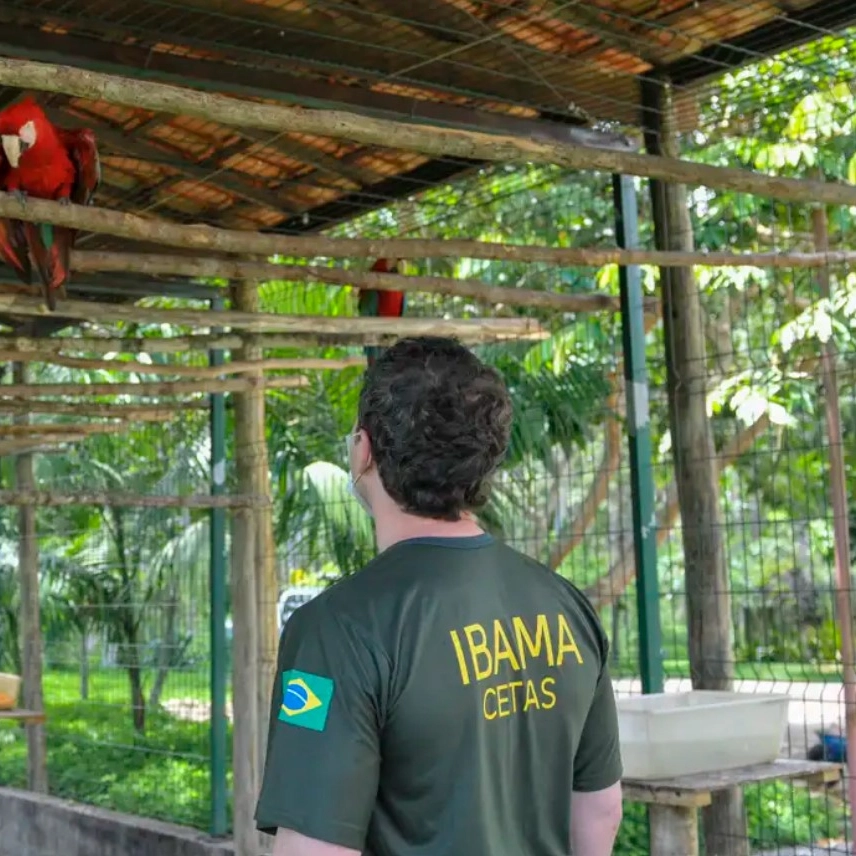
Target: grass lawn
(95, 756)
(111, 685)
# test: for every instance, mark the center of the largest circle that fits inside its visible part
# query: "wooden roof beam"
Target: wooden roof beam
(295, 38)
(141, 148)
(448, 143)
(257, 78)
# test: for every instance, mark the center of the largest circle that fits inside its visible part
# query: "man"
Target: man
(452, 696)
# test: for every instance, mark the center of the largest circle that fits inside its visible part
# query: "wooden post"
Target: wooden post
(31, 628)
(245, 654)
(259, 592)
(840, 512)
(673, 830)
(246, 299)
(695, 460)
(259, 322)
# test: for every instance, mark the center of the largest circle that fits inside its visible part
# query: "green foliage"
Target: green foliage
(778, 815)
(94, 756)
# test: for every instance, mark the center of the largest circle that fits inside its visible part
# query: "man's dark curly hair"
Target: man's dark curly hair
(439, 421)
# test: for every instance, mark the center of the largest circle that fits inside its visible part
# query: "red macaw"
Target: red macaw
(381, 304)
(13, 241)
(46, 162)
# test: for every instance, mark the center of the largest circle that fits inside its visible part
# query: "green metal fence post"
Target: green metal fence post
(219, 658)
(639, 440)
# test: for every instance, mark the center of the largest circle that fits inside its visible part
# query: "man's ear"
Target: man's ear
(364, 447)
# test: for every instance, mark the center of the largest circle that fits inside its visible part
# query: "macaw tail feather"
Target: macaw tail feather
(50, 248)
(13, 249)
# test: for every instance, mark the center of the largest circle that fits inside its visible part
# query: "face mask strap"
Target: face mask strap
(349, 443)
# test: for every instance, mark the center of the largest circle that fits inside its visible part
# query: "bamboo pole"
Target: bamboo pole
(153, 264)
(94, 410)
(50, 499)
(242, 242)
(261, 322)
(434, 141)
(187, 387)
(203, 372)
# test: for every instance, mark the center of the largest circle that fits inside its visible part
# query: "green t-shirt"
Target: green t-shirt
(447, 699)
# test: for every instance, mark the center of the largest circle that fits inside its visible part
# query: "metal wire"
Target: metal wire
(539, 57)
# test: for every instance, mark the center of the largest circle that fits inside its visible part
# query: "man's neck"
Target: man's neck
(393, 526)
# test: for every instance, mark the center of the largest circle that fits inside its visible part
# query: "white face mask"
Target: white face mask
(352, 482)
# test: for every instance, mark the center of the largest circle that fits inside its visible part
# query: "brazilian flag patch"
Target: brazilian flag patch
(305, 699)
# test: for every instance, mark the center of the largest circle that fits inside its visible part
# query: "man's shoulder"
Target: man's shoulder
(546, 575)
(559, 588)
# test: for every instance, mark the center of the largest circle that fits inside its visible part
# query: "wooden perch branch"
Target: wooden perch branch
(435, 141)
(94, 410)
(28, 445)
(598, 490)
(210, 239)
(621, 573)
(199, 342)
(49, 431)
(185, 387)
(135, 367)
(157, 265)
(205, 266)
(261, 322)
(127, 500)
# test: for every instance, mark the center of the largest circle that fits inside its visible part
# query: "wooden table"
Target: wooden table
(673, 803)
(28, 717)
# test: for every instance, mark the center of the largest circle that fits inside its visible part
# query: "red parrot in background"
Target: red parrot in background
(381, 304)
(41, 160)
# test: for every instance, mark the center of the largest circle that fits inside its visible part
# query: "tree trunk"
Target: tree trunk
(696, 469)
(167, 649)
(135, 677)
(84, 662)
(30, 625)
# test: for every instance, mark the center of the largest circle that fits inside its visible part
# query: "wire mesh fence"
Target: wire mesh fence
(124, 598)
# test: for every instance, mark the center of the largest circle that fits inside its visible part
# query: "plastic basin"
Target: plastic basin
(10, 686)
(678, 734)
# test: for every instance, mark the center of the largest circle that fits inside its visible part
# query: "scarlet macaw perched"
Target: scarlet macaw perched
(46, 162)
(381, 304)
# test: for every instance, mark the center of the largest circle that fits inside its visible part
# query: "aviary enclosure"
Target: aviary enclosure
(680, 355)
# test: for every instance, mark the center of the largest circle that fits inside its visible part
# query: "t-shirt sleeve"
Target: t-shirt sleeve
(597, 764)
(323, 751)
